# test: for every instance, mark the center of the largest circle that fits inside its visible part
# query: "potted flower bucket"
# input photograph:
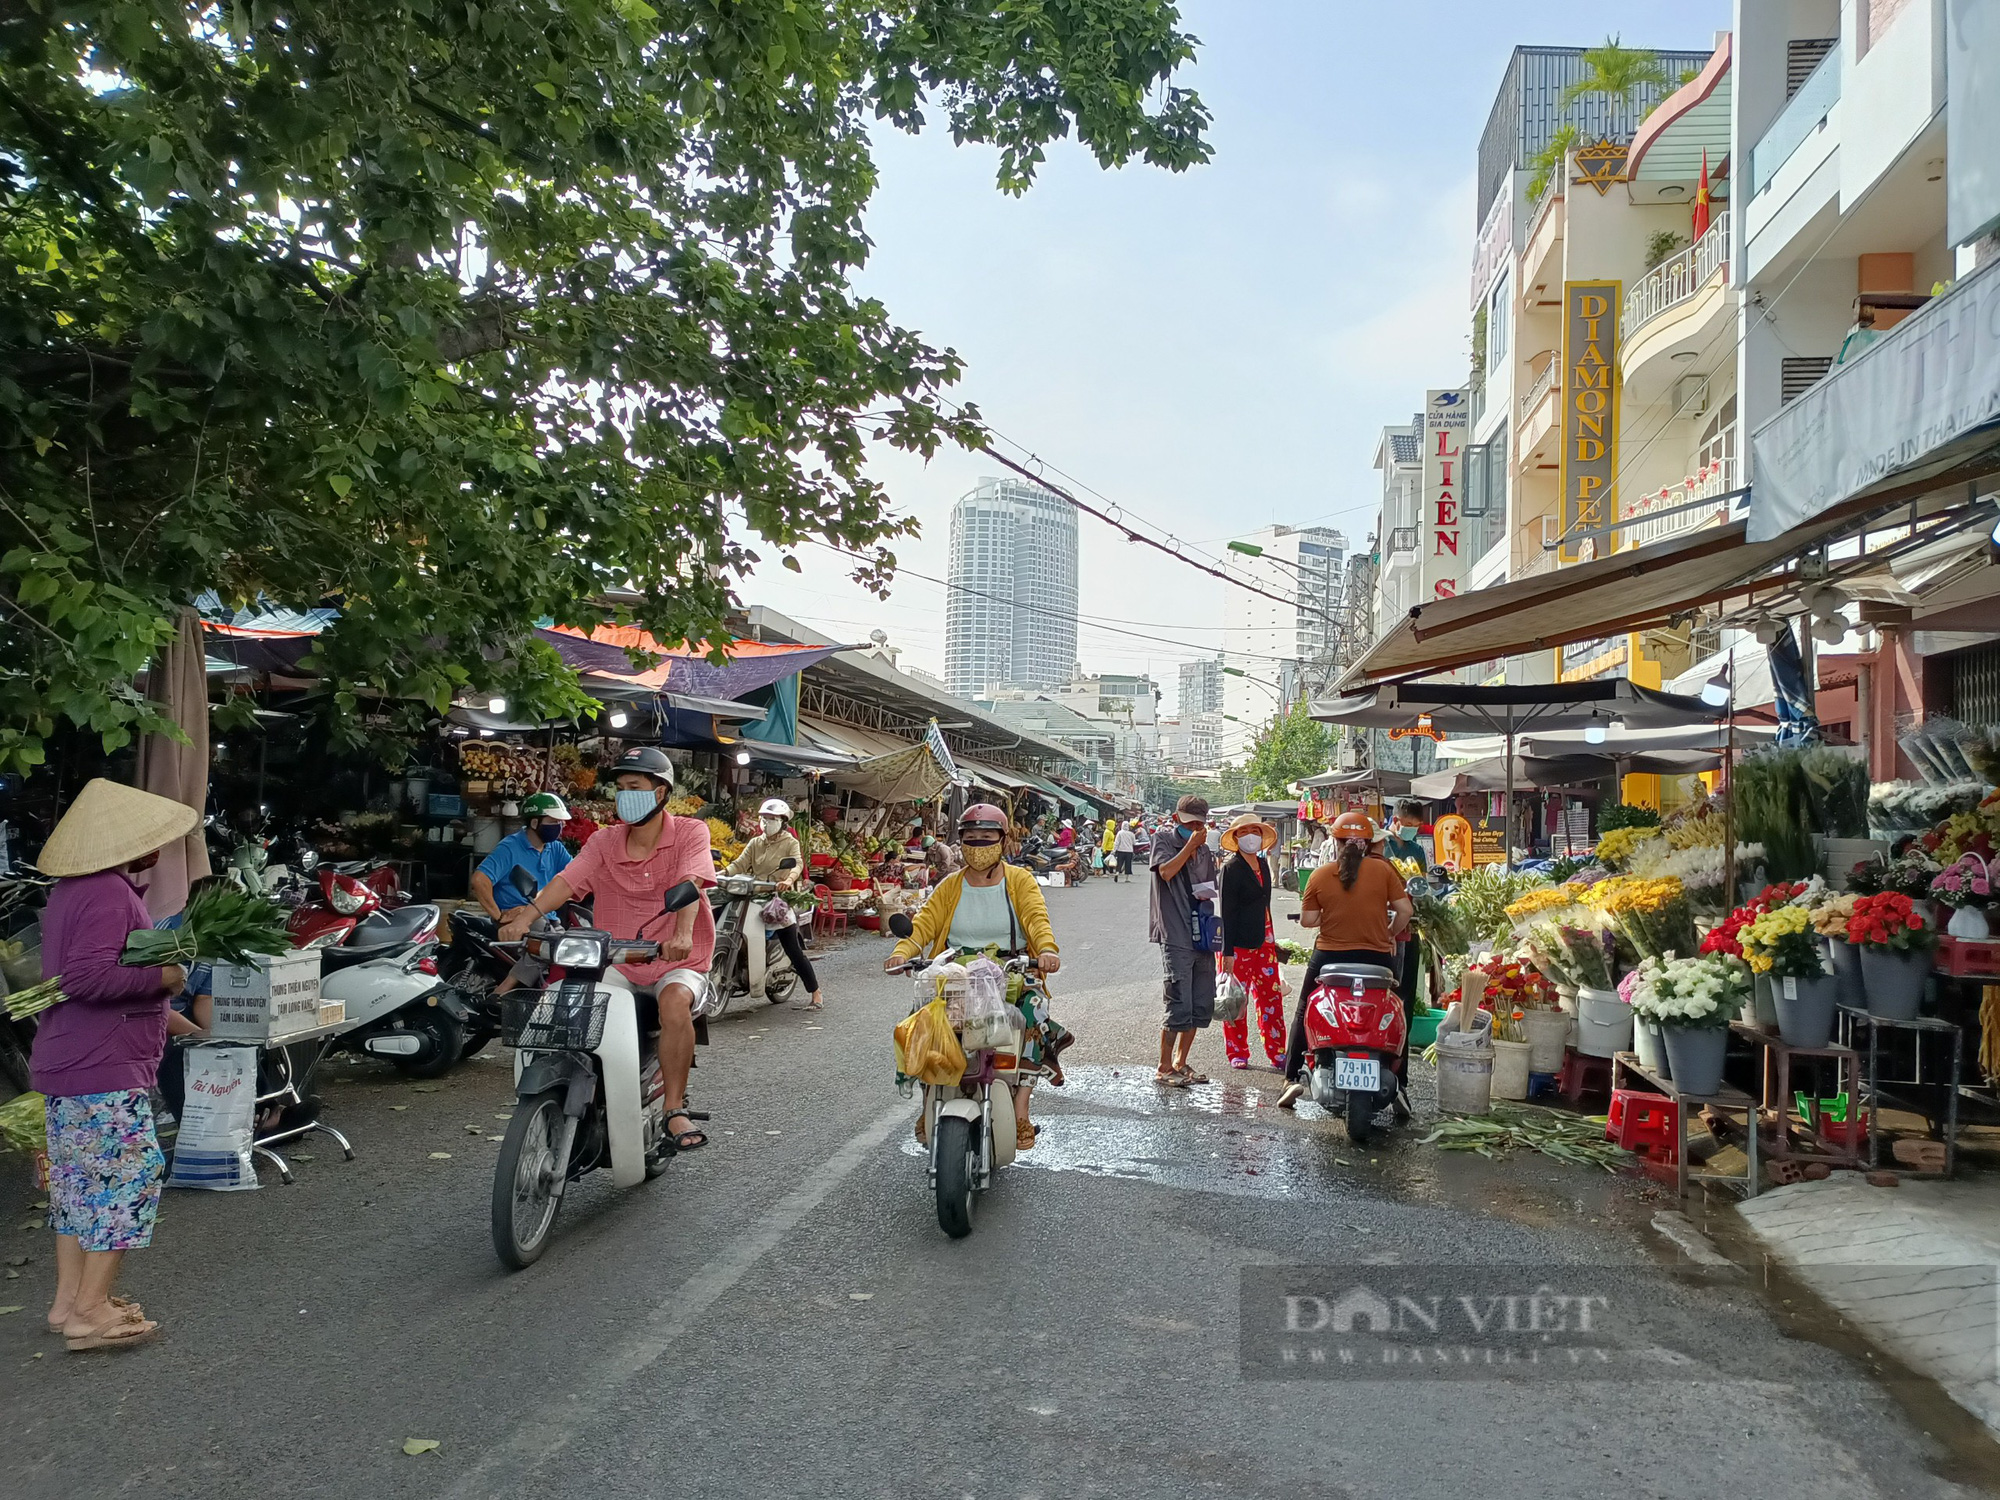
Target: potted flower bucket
(1465, 1066)
(1548, 1038)
(1510, 1069)
(1604, 1023)
(1805, 1009)
(1695, 1054)
(1651, 1046)
(1894, 982)
(1847, 973)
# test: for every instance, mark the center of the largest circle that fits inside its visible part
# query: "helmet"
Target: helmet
(775, 807)
(982, 817)
(646, 760)
(1355, 825)
(545, 804)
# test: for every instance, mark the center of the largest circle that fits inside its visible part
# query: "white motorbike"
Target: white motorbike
(748, 958)
(396, 1005)
(587, 1082)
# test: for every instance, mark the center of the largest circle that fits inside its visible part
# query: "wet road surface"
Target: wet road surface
(779, 1314)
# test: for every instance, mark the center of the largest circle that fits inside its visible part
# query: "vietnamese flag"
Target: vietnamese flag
(1701, 199)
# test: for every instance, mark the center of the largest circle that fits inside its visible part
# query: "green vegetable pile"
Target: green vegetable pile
(222, 925)
(1482, 898)
(24, 1123)
(1572, 1138)
(1625, 815)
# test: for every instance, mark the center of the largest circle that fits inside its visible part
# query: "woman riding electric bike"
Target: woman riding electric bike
(992, 904)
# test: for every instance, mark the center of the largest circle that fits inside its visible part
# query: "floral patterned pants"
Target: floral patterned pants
(1256, 969)
(105, 1168)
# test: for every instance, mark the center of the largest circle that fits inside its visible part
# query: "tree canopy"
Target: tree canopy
(1292, 746)
(461, 315)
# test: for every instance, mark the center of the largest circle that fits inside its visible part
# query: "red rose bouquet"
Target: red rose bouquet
(1888, 922)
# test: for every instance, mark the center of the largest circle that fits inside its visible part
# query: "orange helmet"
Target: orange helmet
(1355, 825)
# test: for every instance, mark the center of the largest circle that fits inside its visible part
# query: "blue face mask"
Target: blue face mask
(636, 804)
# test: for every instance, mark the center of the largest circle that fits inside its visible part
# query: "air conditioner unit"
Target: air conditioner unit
(1690, 395)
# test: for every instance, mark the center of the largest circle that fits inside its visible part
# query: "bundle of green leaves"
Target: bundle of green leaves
(222, 924)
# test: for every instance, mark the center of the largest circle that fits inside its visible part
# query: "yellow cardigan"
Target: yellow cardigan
(931, 927)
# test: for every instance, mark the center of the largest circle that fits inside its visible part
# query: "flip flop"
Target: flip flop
(1293, 1092)
(121, 1333)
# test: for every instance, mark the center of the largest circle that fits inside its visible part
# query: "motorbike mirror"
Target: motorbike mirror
(525, 882)
(788, 864)
(901, 925)
(684, 894)
(1291, 916)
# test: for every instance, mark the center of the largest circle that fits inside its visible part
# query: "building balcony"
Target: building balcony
(1677, 279)
(1539, 259)
(1803, 115)
(1538, 401)
(1641, 518)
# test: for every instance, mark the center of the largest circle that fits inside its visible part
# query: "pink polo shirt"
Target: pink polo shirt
(629, 891)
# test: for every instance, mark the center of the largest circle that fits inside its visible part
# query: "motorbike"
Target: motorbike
(969, 1125)
(398, 1007)
(349, 895)
(474, 963)
(1355, 1031)
(587, 1083)
(1044, 859)
(748, 959)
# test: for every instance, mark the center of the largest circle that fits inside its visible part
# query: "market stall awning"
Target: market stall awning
(1490, 774)
(791, 757)
(1097, 799)
(258, 647)
(1367, 779)
(1449, 708)
(1551, 743)
(884, 767)
(748, 665)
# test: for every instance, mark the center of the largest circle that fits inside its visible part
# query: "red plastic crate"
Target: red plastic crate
(1965, 958)
(1639, 1121)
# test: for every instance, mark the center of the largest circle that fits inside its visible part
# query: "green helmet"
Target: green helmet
(545, 804)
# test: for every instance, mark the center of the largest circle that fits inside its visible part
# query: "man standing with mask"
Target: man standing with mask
(763, 858)
(630, 869)
(1183, 879)
(536, 847)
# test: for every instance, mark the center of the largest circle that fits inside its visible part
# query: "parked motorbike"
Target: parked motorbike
(349, 895)
(970, 1124)
(475, 962)
(748, 959)
(386, 974)
(1355, 1031)
(587, 1082)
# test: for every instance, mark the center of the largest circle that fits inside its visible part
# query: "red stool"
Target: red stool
(834, 921)
(1643, 1122)
(1583, 1074)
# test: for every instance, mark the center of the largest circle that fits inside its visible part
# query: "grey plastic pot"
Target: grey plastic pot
(1847, 973)
(1894, 982)
(1695, 1054)
(1766, 1008)
(1805, 1009)
(1651, 1046)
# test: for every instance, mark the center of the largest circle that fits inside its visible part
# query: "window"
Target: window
(1497, 308)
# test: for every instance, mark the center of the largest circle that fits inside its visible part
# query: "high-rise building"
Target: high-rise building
(1010, 616)
(1201, 688)
(1277, 649)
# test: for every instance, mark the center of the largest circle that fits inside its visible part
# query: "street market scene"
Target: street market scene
(874, 749)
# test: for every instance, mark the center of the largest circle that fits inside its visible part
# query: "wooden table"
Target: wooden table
(1778, 1097)
(1627, 1064)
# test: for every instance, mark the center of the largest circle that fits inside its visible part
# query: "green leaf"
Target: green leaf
(546, 89)
(340, 484)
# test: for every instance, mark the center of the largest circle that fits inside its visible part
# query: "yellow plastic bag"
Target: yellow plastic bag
(927, 1048)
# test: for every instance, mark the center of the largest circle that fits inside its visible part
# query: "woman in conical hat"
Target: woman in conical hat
(97, 1053)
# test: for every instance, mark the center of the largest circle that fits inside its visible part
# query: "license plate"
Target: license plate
(1357, 1074)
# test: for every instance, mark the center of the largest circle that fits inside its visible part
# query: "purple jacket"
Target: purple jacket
(111, 1027)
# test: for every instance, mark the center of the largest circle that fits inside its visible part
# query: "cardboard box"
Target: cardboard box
(269, 1000)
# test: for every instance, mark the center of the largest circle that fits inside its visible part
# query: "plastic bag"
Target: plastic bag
(218, 1121)
(986, 1026)
(944, 980)
(926, 1048)
(1231, 1000)
(778, 913)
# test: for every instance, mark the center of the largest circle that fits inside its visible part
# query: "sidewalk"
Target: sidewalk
(1914, 1268)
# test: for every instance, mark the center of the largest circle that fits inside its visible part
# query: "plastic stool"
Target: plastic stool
(1543, 1083)
(1643, 1122)
(1583, 1074)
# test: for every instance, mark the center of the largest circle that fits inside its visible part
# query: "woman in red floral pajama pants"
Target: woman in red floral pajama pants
(1248, 948)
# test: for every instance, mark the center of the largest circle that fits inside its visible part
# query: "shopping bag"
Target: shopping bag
(218, 1120)
(778, 913)
(1231, 999)
(926, 1048)
(987, 1026)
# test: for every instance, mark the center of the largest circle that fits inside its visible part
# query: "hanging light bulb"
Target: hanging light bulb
(1830, 631)
(1715, 691)
(496, 704)
(617, 718)
(742, 757)
(1827, 601)
(1768, 629)
(1593, 733)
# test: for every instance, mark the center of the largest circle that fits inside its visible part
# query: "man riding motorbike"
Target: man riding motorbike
(992, 904)
(629, 870)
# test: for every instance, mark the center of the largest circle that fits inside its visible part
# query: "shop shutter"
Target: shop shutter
(1975, 685)
(1798, 374)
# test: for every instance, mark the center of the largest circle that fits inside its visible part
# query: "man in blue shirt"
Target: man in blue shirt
(538, 846)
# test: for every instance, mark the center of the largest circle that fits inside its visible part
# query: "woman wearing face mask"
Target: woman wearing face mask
(992, 904)
(96, 1055)
(1249, 952)
(761, 859)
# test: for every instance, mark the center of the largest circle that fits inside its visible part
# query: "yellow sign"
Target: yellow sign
(1601, 165)
(1590, 413)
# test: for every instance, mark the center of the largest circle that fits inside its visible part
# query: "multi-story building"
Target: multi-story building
(1122, 715)
(1201, 687)
(1399, 460)
(1275, 649)
(1010, 615)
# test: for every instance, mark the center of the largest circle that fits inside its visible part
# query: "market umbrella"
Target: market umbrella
(179, 682)
(1447, 708)
(1490, 773)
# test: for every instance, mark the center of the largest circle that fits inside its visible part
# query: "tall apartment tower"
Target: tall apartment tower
(1010, 615)
(1201, 688)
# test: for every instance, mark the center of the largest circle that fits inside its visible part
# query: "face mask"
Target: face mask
(773, 823)
(636, 804)
(981, 856)
(1250, 843)
(548, 833)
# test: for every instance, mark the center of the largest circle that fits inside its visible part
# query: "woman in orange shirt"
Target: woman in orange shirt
(1358, 910)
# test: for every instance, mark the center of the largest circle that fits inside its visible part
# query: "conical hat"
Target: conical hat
(110, 825)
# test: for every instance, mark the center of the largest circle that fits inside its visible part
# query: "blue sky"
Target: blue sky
(1216, 350)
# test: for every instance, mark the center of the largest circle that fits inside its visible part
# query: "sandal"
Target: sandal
(1293, 1092)
(131, 1311)
(691, 1139)
(1024, 1135)
(1188, 1076)
(1171, 1079)
(121, 1332)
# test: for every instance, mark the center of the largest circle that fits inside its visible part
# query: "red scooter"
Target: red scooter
(1355, 1031)
(346, 898)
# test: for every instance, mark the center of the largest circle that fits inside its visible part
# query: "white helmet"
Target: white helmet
(775, 807)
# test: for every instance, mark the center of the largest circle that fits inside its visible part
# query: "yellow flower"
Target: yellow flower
(1618, 846)
(1546, 899)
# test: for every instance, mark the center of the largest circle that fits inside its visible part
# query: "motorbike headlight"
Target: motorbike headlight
(580, 953)
(344, 900)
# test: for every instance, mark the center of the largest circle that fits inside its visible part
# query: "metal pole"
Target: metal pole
(1729, 795)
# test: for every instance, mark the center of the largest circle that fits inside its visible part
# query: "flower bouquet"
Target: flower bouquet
(1830, 918)
(1965, 883)
(1782, 944)
(1616, 848)
(1654, 915)
(1569, 944)
(1894, 943)
(1692, 1001)
(1889, 922)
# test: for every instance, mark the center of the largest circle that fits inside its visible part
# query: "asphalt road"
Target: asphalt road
(779, 1314)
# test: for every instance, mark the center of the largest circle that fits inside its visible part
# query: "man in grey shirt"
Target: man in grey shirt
(1183, 883)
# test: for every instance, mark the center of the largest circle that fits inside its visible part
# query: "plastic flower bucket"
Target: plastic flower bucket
(1510, 1069)
(1651, 1046)
(1604, 1023)
(1847, 973)
(1695, 1054)
(1805, 1009)
(1894, 982)
(1548, 1039)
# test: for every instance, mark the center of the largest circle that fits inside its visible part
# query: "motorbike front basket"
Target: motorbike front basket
(564, 1019)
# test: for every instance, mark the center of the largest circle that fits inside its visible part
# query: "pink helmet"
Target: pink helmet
(982, 817)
